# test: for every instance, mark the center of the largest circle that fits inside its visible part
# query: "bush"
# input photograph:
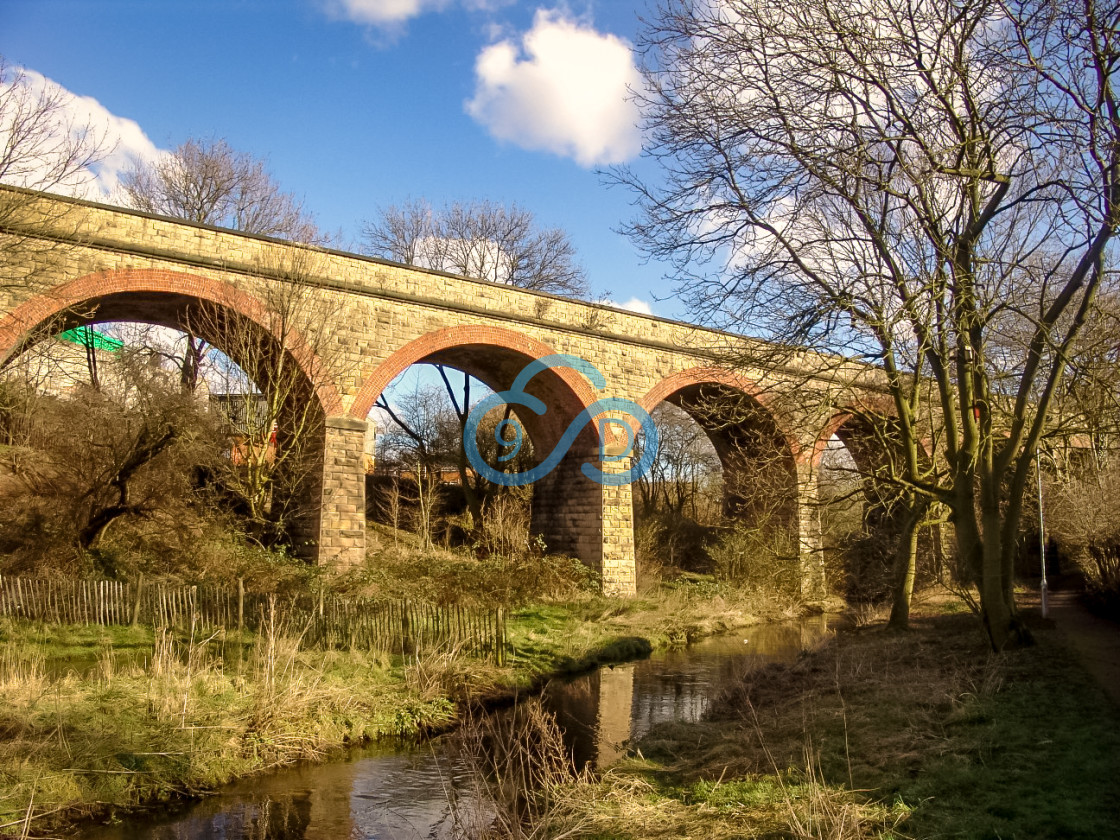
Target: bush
(672, 540)
(445, 577)
(755, 558)
(1084, 517)
(82, 471)
(504, 529)
(859, 568)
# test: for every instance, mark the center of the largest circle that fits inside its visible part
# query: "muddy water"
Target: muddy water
(403, 794)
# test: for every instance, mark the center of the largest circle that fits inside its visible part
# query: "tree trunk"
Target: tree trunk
(906, 563)
(192, 363)
(100, 517)
(93, 530)
(995, 606)
(470, 493)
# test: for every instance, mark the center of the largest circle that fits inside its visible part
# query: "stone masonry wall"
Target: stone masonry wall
(384, 317)
(342, 524)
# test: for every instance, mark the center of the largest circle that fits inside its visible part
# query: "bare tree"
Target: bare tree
(1087, 416)
(418, 429)
(208, 182)
(275, 422)
(684, 478)
(480, 239)
(43, 147)
(484, 240)
(42, 144)
(402, 233)
(678, 503)
(98, 458)
(420, 446)
(899, 181)
(425, 438)
(1083, 514)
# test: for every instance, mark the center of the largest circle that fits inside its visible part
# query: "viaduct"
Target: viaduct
(67, 262)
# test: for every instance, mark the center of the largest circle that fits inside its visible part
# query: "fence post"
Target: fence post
(407, 645)
(240, 604)
(500, 638)
(139, 595)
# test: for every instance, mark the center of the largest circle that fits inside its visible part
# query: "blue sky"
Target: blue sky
(358, 104)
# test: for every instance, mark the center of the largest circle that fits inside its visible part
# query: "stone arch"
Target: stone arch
(166, 298)
(447, 340)
(853, 426)
(759, 459)
(758, 453)
(853, 430)
(568, 507)
(151, 296)
(845, 420)
(861, 565)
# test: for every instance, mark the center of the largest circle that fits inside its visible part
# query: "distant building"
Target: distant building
(246, 418)
(245, 414)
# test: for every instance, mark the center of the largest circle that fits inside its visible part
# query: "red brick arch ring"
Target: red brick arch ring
(85, 292)
(728, 379)
(835, 423)
(512, 349)
(845, 415)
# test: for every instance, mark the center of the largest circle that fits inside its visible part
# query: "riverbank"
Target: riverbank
(877, 734)
(94, 721)
(154, 716)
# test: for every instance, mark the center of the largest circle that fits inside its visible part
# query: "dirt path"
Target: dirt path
(1095, 641)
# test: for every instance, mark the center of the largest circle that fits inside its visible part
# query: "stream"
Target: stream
(390, 792)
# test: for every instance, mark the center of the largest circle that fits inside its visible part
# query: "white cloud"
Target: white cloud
(130, 144)
(392, 14)
(122, 140)
(383, 12)
(565, 90)
(635, 304)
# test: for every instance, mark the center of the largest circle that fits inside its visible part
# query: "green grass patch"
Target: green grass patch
(920, 735)
(1038, 758)
(94, 719)
(186, 720)
(579, 633)
(73, 641)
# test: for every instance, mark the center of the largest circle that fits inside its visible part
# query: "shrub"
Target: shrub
(756, 558)
(1084, 517)
(445, 577)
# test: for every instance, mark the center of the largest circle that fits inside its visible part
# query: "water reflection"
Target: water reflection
(602, 712)
(616, 703)
(393, 795)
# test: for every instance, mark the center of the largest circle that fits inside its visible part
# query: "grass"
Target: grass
(78, 649)
(922, 734)
(515, 761)
(187, 719)
(1038, 758)
(98, 719)
(576, 635)
(919, 735)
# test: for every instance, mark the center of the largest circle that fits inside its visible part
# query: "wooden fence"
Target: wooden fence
(321, 620)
